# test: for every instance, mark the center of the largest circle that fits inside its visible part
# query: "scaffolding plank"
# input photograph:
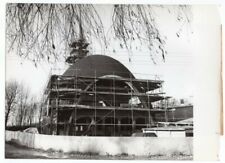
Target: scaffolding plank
(72, 106)
(104, 92)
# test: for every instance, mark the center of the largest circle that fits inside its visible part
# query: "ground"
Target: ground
(15, 151)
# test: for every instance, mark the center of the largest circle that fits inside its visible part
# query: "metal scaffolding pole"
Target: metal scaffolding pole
(57, 105)
(51, 121)
(95, 88)
(132, 113)
(166, 107)
(75, 109)
(149, 109)
(114, 104)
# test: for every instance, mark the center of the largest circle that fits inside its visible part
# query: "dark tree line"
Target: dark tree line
(21, 108)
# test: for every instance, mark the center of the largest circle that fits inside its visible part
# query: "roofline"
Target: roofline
(114, 78)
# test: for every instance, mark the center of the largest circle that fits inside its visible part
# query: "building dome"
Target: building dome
(97, 66)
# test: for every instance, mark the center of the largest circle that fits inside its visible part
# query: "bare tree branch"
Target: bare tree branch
(44, 31)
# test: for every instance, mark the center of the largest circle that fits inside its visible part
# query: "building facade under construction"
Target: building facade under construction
(97, 95)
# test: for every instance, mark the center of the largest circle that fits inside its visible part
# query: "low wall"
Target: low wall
(138, 146)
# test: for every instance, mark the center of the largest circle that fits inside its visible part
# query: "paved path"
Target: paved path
(13, 150)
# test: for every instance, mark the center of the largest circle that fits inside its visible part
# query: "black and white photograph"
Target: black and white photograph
(99, 81)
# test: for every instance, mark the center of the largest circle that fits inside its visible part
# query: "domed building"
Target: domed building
(99, 96)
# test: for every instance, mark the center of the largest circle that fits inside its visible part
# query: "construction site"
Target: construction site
(99, 96)
(96, 106)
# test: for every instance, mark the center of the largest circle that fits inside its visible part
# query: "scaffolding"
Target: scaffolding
(84, 105)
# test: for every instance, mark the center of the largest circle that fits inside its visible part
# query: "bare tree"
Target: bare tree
(30, 112)
(22, 106)
(42, 108)
(11, 93)
(45, 31)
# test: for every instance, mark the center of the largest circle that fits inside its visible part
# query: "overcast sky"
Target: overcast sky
(177, 70)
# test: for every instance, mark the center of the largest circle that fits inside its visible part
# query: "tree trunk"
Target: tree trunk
(7, 115)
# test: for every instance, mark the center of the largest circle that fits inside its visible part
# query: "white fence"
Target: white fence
(139, 146)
